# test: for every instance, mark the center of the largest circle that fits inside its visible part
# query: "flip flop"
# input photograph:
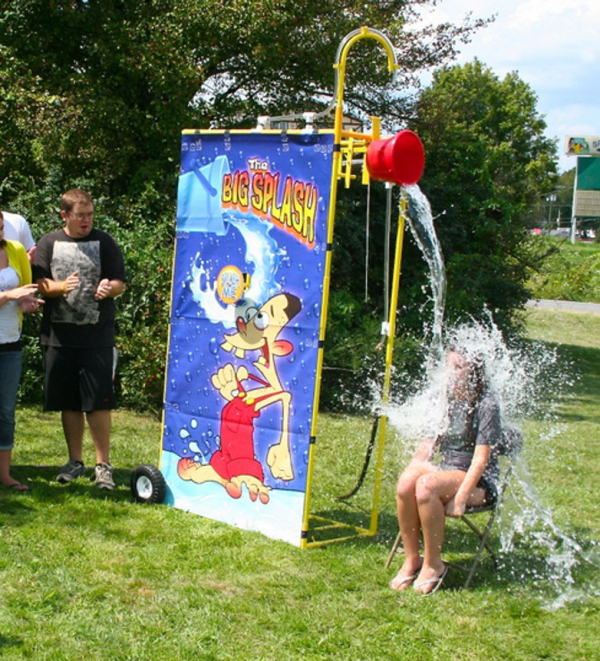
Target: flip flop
(406, 580)
(436, 582)
(17, 486)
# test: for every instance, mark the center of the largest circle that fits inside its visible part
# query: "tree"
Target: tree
(115, 81)
(95, 93)
(487, 164)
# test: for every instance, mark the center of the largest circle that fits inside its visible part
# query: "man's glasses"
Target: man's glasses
(82, 216)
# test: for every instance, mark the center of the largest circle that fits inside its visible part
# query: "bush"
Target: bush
(571, 272)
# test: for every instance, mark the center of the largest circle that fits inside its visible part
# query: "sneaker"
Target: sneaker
(70, 471)
(104, 476)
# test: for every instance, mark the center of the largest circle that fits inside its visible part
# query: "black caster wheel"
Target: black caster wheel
(148, 484)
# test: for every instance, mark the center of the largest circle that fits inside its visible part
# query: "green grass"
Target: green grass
(89, 575)
(571, 273)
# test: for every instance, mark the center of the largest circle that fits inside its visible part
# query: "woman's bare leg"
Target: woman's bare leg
(409, 522)
(433, 491)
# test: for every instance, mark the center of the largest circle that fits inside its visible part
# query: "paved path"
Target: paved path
(564, 306)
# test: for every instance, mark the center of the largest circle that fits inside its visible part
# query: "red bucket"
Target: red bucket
(400, 159)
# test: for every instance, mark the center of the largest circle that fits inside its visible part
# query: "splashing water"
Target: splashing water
(559, 554)
(529, 383)
(420, 222)
(515, 375)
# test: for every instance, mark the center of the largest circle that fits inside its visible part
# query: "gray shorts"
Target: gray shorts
(485, 482)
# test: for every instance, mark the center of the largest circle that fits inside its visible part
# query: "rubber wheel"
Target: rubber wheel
(148, 484)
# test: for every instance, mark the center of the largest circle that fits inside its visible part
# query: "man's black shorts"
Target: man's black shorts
(78, 379)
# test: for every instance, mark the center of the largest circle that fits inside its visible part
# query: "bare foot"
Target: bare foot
(430, 579)
(406, 575)
(256, 489)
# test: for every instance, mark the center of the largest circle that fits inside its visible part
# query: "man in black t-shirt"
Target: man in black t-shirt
(80, 270)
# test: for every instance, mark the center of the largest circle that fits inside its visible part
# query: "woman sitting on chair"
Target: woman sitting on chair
(465, 477)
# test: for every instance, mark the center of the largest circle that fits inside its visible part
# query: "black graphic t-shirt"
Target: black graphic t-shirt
(77, 319)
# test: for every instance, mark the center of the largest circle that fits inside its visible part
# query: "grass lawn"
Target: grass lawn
(90, 575)
(571, 273)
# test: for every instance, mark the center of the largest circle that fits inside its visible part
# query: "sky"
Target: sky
(554, 46)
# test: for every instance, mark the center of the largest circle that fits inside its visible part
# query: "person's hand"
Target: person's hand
(31, 253)
(30, 304)
(70, 283)
(104, 289)
(455, 507)
(19, 293)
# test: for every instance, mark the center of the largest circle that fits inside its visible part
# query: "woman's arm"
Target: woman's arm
(17, 293)
(456, 506)
(425, 450)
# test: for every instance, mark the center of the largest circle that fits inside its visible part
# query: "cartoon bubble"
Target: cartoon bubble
(184, 433)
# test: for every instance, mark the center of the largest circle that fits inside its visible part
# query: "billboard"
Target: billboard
(582, 145)
(245, 320)
(586, 201)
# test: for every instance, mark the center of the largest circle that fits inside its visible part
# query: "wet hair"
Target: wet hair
(478, 383)
(477, 378)
(73, 197)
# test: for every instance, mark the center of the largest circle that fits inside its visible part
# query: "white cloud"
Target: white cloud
(554, 45)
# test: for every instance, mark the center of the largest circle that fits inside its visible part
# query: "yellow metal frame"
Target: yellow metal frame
(347, 144)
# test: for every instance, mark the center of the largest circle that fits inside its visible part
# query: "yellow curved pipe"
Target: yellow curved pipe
(340, 65)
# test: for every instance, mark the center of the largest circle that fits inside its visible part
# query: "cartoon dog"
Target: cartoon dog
(235, 463)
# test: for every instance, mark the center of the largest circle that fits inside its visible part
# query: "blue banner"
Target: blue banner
(244, 327)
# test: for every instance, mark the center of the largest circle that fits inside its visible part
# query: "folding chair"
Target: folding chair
(509, 446)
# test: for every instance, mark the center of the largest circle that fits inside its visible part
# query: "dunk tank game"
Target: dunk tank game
(244, 326)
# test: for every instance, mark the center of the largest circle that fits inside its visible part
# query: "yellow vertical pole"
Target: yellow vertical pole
(335, 170)
(389, 355)
(340, 67)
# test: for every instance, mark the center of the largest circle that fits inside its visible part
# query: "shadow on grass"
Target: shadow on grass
(10, 642)
(586, 385)
(525, 565)
(43, 484)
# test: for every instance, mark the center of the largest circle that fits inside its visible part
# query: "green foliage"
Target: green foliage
(487, 163)
(95, 93)
(570, 273)
(104, 87)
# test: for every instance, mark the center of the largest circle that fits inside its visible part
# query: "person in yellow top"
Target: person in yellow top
(16, 296)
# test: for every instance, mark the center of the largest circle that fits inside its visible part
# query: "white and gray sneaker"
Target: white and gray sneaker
(70, 471)
(104, 476)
